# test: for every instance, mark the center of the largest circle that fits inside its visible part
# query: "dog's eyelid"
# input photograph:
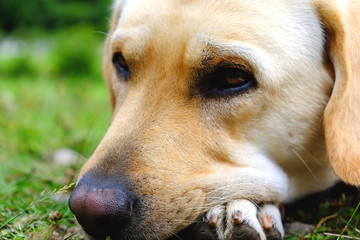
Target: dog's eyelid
(236, 66)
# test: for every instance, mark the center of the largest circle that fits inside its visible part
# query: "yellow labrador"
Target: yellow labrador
(222, 109)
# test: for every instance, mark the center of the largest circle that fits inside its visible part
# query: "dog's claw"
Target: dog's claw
(266, 221)
(238, 218)
(213, 221)
(215, 217)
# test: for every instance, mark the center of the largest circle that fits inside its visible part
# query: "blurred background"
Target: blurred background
(54, 110)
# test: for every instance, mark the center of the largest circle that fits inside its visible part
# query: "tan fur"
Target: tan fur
(342, 115)
(184, 153)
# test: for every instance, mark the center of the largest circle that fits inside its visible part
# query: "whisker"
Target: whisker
(103, 33)
(314, 158)
(308, 168)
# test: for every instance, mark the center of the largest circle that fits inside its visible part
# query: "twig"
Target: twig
(342, 236)
(325, 219)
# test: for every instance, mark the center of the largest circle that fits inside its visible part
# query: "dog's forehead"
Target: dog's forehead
(219, 17)
(284, 29)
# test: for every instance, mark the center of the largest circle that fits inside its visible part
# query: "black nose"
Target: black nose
(103, 208)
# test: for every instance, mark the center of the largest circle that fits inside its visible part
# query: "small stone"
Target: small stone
(60, 197)
(65, 156)
(298, 227)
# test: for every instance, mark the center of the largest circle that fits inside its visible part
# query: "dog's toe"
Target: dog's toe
(270, 218)
(242, 219)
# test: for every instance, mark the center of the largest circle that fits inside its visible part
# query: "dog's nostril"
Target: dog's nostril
(101, 211)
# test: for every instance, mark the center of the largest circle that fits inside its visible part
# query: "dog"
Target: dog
(222, 110)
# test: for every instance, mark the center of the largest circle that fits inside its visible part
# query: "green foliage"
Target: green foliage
(70, 52)
(336, 217)
(54, 14)
(51, 96)
(75, 53)
(19, 65)
(39, 116)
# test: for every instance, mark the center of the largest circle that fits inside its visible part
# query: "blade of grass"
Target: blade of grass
(70, 236)
(347, 224)
(13, 218)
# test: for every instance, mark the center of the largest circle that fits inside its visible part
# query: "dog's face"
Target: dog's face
(213, 101)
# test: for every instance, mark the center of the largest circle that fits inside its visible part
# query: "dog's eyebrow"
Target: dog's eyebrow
(121, 37)
(238, 53)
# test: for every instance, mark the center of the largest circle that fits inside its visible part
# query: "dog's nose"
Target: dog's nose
(101, 209)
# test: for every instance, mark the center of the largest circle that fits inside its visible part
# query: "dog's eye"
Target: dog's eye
(121, 65)
(229, 81)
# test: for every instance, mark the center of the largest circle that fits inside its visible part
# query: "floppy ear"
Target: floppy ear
(341, 20)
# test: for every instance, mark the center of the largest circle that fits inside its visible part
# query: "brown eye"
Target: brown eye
(235, 77)
(228, 81)
(121, 65)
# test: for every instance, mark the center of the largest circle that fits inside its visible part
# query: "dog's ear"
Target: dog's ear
(341, 21)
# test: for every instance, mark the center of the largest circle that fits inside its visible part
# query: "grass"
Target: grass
(52, 97)
(45, 106)
(334, 214)
(40, 117)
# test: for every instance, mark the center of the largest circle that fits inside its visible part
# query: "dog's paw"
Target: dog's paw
(242, 219)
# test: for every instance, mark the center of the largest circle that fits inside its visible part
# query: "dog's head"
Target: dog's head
(218, 100)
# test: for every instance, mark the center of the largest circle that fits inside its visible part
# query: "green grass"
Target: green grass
(52, 96)
(46, 106)
(40, 116)
(335, 215)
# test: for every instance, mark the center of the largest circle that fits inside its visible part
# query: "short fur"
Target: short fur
(183, 153)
